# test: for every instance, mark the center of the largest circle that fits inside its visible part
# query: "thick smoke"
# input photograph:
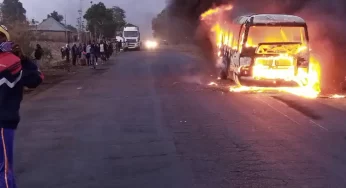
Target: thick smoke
(325, 20)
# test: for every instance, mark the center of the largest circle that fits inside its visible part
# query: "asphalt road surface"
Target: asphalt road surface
(149, 120)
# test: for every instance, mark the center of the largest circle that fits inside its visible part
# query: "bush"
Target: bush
(47, 54)
(21, 35)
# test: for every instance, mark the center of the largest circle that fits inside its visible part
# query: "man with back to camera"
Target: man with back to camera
(16, 72)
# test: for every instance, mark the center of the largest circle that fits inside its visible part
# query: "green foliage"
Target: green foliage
(13, 16)
(58, 17)
(103, 21)
(33, 22)
(119, 16)
(160, 25)
(12, 11)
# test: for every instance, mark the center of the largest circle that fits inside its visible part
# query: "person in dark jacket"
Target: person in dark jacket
(16, 72)
(38, 54)
(63, 54)
(67, 60)
(110, 47)
(75, 53)
(67, 53)
(106, 50)
(97, 52)
(80, 51)
(92, 53)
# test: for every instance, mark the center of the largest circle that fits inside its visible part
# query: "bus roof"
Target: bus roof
(270, 19)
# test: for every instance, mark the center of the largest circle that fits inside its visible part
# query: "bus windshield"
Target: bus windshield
(260, 34)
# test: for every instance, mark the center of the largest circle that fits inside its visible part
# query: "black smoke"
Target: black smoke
(325, 18)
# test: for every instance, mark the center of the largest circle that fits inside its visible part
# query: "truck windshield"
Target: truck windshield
(260, 34)
(130, 33)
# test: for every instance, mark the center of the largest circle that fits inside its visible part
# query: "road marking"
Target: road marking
(285, 115)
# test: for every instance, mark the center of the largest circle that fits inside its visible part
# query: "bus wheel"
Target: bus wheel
(223, 75)
(236, 79)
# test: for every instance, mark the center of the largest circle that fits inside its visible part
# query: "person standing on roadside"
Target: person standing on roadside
(88, 53)
(74, 52)
(110, 47)
(67, 61)
(80, 52)
(16, 72)
(106, 50)
(62, 50)
(92, 53)
(102, 51)
(119, 45)
(97, 52)
(38, 54)
(67, 52)
(84, 47)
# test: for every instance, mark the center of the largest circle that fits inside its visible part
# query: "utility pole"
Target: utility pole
(67, 37)
(80, 20)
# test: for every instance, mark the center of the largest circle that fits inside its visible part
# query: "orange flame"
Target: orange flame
(215, 11)
(309, 82)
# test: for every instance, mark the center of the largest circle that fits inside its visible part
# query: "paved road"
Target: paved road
(147, 120)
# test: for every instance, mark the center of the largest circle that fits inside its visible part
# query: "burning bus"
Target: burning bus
(271, 47)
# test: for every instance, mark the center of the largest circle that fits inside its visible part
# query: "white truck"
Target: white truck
(132, 37)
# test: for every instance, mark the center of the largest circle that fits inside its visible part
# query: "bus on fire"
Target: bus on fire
(271, 47)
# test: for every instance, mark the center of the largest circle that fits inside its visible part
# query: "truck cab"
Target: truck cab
(265, 47)
(132, 37)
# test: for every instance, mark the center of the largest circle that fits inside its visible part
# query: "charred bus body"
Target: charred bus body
(271, 47)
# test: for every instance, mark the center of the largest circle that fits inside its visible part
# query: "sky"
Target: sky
(138, 12)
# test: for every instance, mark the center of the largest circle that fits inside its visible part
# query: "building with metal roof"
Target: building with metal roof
(52, 30)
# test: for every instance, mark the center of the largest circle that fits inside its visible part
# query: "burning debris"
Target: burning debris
(212, 84)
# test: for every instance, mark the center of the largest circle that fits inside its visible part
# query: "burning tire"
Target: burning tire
(223, 75)
(236, 79)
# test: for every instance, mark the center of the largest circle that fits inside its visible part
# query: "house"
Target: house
(52, 30)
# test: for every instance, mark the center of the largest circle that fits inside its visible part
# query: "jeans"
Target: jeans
(38, 62)
(88, 59)
(92, 59)
(6, 159)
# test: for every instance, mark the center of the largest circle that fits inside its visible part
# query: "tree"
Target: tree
(97, 15)
(119, 16)
(103, 21)
(58, 17)
(12, 11)
(33, 22)
(160, 25)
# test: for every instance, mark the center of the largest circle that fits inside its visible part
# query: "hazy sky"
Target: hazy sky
(138, 12)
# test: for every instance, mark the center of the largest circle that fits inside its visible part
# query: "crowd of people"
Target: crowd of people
(90, 53)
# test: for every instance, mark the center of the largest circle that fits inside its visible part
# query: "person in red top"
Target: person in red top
(16, 72)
